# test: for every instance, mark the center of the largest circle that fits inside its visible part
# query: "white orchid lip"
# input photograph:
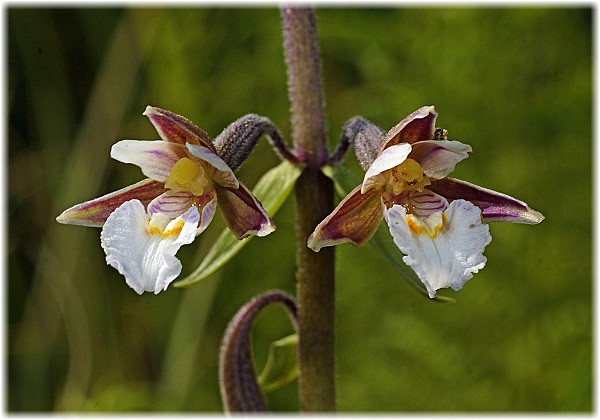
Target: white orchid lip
(142, 247)
(444, 250)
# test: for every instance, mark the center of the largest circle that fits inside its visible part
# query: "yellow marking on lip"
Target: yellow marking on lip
(160, 225)
(174, 230)
(414, 225)
(418, 227)
(154, 230)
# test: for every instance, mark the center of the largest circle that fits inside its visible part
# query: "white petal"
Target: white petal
(446, 249)
(155, 157)
(388, 159)
(439, 157)
(146, 260)
(208, 212)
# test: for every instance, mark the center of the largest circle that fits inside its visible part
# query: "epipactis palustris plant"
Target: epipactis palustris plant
(439, 223)
(145, 224)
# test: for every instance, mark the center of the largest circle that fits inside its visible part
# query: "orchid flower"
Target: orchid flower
(438, 223)
(145, 224)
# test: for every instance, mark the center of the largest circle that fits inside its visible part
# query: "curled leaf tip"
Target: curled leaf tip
(240, 390)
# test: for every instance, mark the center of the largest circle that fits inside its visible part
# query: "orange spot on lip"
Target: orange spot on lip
(175, 229)
(154, 230)
(414, 225)
(163, 231)
(418, 227)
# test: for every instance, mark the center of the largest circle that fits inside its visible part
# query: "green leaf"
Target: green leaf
(281, 367)
(272, 190)
(382, 242)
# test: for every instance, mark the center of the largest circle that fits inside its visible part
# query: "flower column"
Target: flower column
(314, 201)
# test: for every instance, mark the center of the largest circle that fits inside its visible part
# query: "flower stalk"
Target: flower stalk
(314, 200)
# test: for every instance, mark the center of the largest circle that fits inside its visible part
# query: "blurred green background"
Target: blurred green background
(514, 83)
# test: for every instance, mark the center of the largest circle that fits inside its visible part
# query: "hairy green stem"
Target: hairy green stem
(314, 201)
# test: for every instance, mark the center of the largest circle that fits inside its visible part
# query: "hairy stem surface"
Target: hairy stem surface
(314, 201)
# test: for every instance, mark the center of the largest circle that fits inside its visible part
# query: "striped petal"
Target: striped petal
(353, 221)
(424, 204)
(444, 250)
(176, 129)
(243, 213)
(156, 158)
(171, 203)
(439, 157)
(495, 206)
(95, 212)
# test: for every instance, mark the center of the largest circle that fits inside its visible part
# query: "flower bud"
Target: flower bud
(235, 143)
(367, 139)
